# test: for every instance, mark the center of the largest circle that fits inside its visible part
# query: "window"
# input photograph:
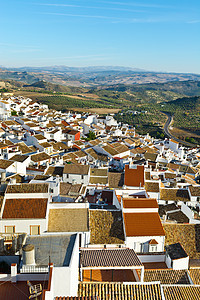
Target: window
(140, 247)
(134, 245)
(82, 176)
(34, 229)
(153, 248)
(9, 229)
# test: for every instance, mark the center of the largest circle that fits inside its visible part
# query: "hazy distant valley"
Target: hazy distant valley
(108, 89)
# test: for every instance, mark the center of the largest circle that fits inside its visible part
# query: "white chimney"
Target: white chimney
(13, 273)
(28, 254)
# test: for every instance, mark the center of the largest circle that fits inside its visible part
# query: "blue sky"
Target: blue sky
(153, 35)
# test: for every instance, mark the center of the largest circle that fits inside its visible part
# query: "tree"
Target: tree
(91, 136)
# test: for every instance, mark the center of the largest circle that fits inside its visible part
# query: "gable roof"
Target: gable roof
(27, 188)
(4, 163)
(68, 220)
(120, 291)
(40, 157)
(139, 203)
(174, 194)
(53, 171)
(76, 169)
(167, 276)
(194, 190)
(111, 150)
(19, 158)
(45, 144)
(25, 149)
(150, 156)
(179, 292)
(176, 251)
(134, 176)
(143, 224)
(99, 172)
(70, 189)
(25, 208)
(115, 180)
(109, 258)
(152, 186)
(119, 147)
(39, 137)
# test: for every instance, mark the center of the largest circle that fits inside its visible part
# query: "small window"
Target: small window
(153, 248)
(34, 229)
(82, 176)
(9, 229)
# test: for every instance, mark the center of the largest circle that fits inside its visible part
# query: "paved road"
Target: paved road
(166, 130)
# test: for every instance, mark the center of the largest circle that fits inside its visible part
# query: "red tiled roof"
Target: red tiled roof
(135, 176)
(139, 203)
(153, 242)
(25, 208)
(109, 258)
(143, 224)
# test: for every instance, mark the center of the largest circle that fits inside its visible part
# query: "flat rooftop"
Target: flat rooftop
(19, 290)
(56, 248)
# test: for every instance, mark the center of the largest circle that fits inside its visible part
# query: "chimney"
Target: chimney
(1, 245)
(14, 244)
(13, 273)
(28, 254)
(3, 176)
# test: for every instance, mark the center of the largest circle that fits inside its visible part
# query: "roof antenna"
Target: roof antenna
(34, 290)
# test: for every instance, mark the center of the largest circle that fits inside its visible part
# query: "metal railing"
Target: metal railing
(34, 269)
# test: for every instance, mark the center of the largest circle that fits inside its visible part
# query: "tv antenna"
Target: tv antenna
(34, 290)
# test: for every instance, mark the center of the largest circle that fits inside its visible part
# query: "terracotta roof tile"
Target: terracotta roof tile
(174, 194)
(195, 275)
(152, 186)
(25, 208)
(143, 224)
(106, 227)
(195, 190)
(40, 157)
(27, 188)
(181, 292)
(68, 220)
(138, 203)
(134, 176)
(113, 291)
(109, 258)
(4, 163)
(76, 169)
(167, 276)
(39, 137)
(53, 171)
(25, 149)
(115, 180)
(19, 158)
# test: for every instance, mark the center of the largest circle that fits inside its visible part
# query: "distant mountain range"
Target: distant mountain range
(65, 69)
(92, 76)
